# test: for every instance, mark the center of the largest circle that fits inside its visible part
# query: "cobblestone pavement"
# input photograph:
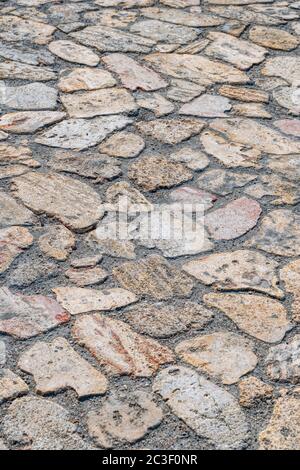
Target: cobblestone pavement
(135, 344)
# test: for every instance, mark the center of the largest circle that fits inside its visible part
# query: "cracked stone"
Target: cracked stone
(15, 29)
(223, 182)
(183, 91)
(288, 126)
(86, 276)
(284, 67)
(12, 213)
(85, 79)
(156, 103)
(244, 94)
(28, 122)
(282, 362)
(193, 159)
(281, 191)
(252, 390)
(13, 242)
(11, 385)
(171, 131)
(58, 242)
(290, 275)
(165, 32)
(204, 352)
(207, 106)
(32, 96)
(273, 38)
(261, 317)
(123, 144)
(72, 52)
(118, 348)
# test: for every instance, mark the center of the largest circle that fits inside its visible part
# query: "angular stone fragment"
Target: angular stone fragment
(156, 103)
(57, 242)
(274, 38)
(195, 68)
(269, 83)
(279, 233)
(87, 262)
(245, 15)
(161, 321)
(193, 159)
(12, 213)
(244, 94)
(282, 362)
(252, 390)
(85, 78)
(183, 90)
(28, 122)
(286, 67)
(15, 29)
(81, 300)
(72, 52)
(26, 54)
(154, 172)
(137, 414)
(13, 241)
(204, 353)
(20, 154)
(56, 367)
(81, 133)
(39, 424)
(209, 410)
(183, 17)
(223, 182)
(123, 191)
(57, 196)
(11, 385)
(154, 277)
(171, 131)
(252, 110)
(31, 269)
(286, 165)
(13, 170)
(290, 275)
(237, 270)
(86, 276)
(288, 126)
(189, 195)
(33, 96)
(123, 144)
(110, 245)
(164, 32)
(27, 316)
(288, 97)
(207, 106)
(261, 317)
(16, 70)
(283, 432)
(281, 11)
(118, 348)
(115, 18)
(281, 191)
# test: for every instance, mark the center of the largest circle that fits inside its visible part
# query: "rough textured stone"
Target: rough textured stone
(13, 241)
(171, 131)
(192, 195)
(281, 191)
(288, 97)
(56, 366)
(86, 276)
(273, 38)
(244, 94)
(286, 165)
(15, 29)
(19, 154)
(261, 317)
(137, 413)
(208, 409)
(284, 67)
(290, 275)
(11, 385)
(193, 159)
(289, 126)
(123, 144)
(182, 17)
(165, 32)
(245, 15)
(207, 106)
(204, 353)
(58, 242)
(26, 54)
(85, 78)
(282, 362)
(118, 348)
(252, 110)
(223, 182)
(252, 390)
(13, 213)
(32, 96)
(30, 270)
(72, 52)
(156, 103)
(237, 270)
(28, 122)
(26, 316)
(2, 353)
(183, 90)
(111, 246)
(17, 70)
(87, 262)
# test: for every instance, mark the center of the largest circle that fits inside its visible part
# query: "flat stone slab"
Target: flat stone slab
(17, 70)
(58, 242)
(282, 361)
(170, 131)
(15, 29)
(29, 97)
(11, 385)
(28, 122)
(13, 241)
(13, 213)
(85, 78)
(72, 52)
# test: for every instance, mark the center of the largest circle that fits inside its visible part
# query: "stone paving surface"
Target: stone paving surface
(136, 344)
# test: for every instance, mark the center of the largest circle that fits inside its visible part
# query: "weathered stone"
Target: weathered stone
(244, 94)
(123, 144)
(209, 410)
(193, 159)
(261, 317)
(86, 276)
(281, 191)
(162, 321)
(3, 135)
(154, 172)
(57, 196)
(86, 79)
(110, 245)
(156, 103)
(16, 70)
(245, 15)
(15, 29)
(183, 90)
(137, 414)
(252, 390)
(58, 242)
(28, 122)
(165, 32)
(180, 3)
(286, 67)
(279, 233)
(281, 11)
(288, 126)
(123, 191)
(253, 110)
(81, 133)
(39, 424)
(32, 96)
(204, 353)
(282, 362)
(288, 97)
(171, 131)
(124, 3)
(269, 83)
(56, 367)
(290, 275)
(12, 213)
(286, 165)
(20, 154)
(31, 270)
(189, 195)
(26, 54)
(13, 241)
(118, 348)
(11, 385)
(82, 300)
(237, 270)
(27, 316)
(207, 106)
(193, 47)
(13, 170)
(111, 17)
(222, 181)
(273, 38)
(2, 353)
(87, 262)
(172, 15)
(154, 277)
(72, 52)
(198, 69)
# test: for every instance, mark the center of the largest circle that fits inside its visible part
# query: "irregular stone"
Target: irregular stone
(13, 170)
(223, 182)
(2, 353)
(189, 195)
(193, 47)
(183, 91)
(57, 196)
(229, 153)
(252, 390)
(180, 3)
(20, 154)
(209, 410)
(13, 241)
(232, 27)
(124, 3)
(162, 321)
(288, 126)
(3, 135)
(26, 54)
(81, 133)
(193, 159)
(123, 144)
(156, 103)
(244, 15)
(137, 414)
(39, 424)
(28, 122)
(82, 300)
(165, 32)
(256, 135)
(154, 172)
(11, 385)
(282, 432)
(111, 17)
(273, 38)
(171, 131)
(281, 11)
(244, 94)
(286, 165)
(24, 316)
(194, 68)
(16, 70)
(204, 352)
(288, 97)
(286, 67)
(261, 317)
(86, 79)
(31, 270)
(107, 39)
(12, 213)
(155, 277)
(86, 276)
(207, 106)
(32, 96)
(237, 270)
(2, 445)
(279, 233)
(282, 362)
(290, 275)
(111, 246)
(255, 110)
(118, 348)
(56, 367)
(123, 191)
(183, 17)
(87, 262)
(269, 83)
(72, 52)
(16, 29)
(58, 242)
(237, 2)
(281, 191)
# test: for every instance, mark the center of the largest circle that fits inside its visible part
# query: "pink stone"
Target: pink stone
(289, 126)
